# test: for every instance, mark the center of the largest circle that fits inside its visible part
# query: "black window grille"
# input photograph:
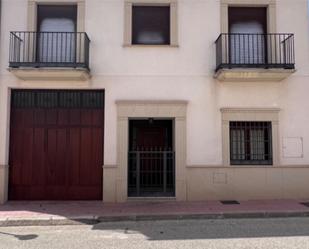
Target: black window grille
(250, 143)
(88, 99)
(151, 25)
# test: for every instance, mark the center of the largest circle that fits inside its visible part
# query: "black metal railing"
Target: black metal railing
(49, 49)
(255, 51)
(151, 173)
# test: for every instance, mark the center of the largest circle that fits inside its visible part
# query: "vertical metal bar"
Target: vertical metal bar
(80, 47)
(61, 46)
(34, 41)
(12, 50)
(71, 48)
(52, 46)
(293, 49)
(66, 43)
(164, 171)
(138, 172)
(227, 52)
(279, 46)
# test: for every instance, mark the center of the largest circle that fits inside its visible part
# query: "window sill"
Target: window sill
(151, 46)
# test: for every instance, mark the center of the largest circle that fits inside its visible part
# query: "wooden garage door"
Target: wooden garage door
(56, 145)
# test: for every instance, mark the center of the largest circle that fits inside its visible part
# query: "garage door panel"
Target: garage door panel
(86, 117)
(74, 115)
(16, 162)
(38, 174)
(17, 119)
(97, 117)
(27, 153)
(74, 156)
(85, 157)
(52, 117)
(63, 116)
(61, 169)
(56, 154)
(56, 145)
(97, 154)
(39, 117)
(85, 192)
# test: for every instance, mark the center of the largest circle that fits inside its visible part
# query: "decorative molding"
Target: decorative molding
(192, 167)
(249, 109)
(154, 109)
(151, 102)
(126, 109)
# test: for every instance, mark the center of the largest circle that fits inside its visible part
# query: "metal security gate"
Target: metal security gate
(56, 145)
(151, 159)
(151, 173)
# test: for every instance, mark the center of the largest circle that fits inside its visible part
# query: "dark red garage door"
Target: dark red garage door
(56, 145)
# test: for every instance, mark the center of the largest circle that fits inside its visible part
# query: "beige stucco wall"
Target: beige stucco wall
(183, 73)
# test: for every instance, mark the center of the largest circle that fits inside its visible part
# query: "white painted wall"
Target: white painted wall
(175, 73)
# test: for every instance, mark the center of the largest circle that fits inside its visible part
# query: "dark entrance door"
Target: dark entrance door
(56, 145)
(151, 158)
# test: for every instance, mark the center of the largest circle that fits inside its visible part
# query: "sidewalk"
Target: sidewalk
(77, 212)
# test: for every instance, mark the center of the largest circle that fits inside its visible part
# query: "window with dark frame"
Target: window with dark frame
(151, 25)
(250, 143)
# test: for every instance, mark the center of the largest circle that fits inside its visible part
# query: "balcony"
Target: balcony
(49, 55)
(254, 57)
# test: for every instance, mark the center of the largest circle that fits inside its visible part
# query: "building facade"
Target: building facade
(186, 100)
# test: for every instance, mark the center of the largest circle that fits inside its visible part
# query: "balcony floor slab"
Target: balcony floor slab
(51, 74)
(252, 74)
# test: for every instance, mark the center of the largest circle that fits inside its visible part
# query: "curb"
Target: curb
(61, 221)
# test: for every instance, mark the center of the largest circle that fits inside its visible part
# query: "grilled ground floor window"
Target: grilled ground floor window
(250, 143)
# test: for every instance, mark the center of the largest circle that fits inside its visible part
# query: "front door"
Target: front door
(151, 158)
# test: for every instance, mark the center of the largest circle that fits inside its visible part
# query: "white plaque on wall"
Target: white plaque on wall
(293, 147)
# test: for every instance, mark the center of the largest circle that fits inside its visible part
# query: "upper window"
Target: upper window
(151, 25)
(249, 20)
(57, 18)
(247, 28)
(250, 143)
(56, 40)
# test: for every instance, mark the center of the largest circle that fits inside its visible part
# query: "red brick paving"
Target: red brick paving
(28, 210)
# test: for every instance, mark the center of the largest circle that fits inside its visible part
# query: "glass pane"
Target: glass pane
(151, 25)
(247, 28)
(57, 40)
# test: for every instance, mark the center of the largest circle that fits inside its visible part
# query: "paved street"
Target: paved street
(242, 233)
